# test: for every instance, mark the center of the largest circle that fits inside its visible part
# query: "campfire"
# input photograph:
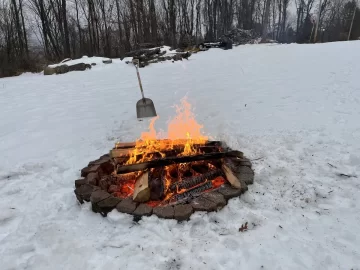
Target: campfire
(170, 177)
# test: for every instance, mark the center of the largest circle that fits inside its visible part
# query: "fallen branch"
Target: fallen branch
(346, 175)
(243, 227)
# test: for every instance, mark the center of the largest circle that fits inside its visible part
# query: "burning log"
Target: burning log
(142, 189)
(173, 160)
(166, 142)
(124, 149)
(191, 192)
(157, 184)
(195, 180)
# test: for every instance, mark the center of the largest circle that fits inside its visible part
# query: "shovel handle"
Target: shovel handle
(136, 63)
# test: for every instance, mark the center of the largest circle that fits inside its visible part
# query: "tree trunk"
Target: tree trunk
(266, 20)
(67, 53)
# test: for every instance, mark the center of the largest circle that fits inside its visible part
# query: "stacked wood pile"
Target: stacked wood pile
(147, 56)
(240, 36)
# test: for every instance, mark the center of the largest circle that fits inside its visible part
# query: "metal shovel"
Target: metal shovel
(144, 107)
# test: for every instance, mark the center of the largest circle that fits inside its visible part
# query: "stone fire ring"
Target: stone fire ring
(91, 188)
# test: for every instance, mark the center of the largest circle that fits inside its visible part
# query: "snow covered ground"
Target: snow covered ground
(297, 107)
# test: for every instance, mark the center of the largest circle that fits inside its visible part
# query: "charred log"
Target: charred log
(157, 184)
(190, 182)
(191, 192)
(173, 160)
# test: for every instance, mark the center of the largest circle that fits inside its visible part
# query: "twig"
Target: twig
(243, 227)
(346, 175)
(257, 159)
(332, 165)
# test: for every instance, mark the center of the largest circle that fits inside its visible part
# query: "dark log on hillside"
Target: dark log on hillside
(147, 52)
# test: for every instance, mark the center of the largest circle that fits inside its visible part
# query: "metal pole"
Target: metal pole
(317, 22)
(352, 21)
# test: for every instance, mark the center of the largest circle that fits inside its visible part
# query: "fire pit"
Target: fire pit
(170, 178)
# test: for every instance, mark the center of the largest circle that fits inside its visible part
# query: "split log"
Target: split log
(230, 176)
(174, 160)
(142, 190)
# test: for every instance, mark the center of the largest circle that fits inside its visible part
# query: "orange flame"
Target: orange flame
(183, 129)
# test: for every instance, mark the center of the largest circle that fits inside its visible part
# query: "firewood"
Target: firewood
(173, 160)
(173, 151)
(230, 176)
(127, 145)
(190, 182)
(157, 184)
(142, 190)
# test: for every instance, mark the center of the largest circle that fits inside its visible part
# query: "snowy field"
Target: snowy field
(296, 107)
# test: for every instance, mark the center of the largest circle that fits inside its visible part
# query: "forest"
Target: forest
(36, 32)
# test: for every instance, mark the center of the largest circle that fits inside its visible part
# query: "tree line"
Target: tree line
(52, 30)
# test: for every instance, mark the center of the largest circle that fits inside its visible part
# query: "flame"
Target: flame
(183, 137)
(183, 129)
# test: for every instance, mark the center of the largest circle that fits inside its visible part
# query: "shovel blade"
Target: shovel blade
(145, 108)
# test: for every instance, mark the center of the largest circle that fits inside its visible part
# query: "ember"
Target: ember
(157, 173)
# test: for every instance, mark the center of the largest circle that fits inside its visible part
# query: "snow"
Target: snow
(85, 59)
(293, 109)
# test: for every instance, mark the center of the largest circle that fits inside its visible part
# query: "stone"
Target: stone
(93, 64)
(183, 212)
(80, 182)
(143, 210)
(245, 162)
(99, 195)
(240, 162)
(105, 164)
(49, 71)
(202, 204)
(246, 174)
(85, 171)
(127, 206)
(166, 212)
(107, 61)
(113, 188)
(93, 168)
(104, 183)
(109, 203)
(93, 178)
(83, 193)
(244, 186)
(105, 206)
(229, 192)
(216, 198)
